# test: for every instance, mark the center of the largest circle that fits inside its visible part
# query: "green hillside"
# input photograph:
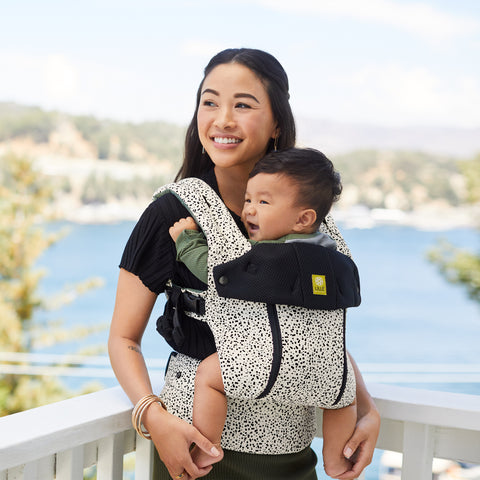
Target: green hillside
(375, 178)
(108, 138)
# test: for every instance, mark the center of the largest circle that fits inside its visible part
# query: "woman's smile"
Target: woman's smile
(221, 141)
(226, 140)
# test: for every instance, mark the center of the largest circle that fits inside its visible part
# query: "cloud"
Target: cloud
(56, 81)
(201, 48)
(50, 79)
(418, 18)
(61, 82)
(18, 70)
(60, 78)
(396, 95)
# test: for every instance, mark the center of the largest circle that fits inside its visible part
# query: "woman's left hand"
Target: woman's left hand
(359, 449)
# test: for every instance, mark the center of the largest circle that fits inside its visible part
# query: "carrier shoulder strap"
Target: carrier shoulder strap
(213, 217)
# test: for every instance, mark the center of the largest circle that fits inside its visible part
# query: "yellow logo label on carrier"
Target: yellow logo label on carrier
(319, 285)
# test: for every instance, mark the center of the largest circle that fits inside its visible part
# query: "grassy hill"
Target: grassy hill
(107, 139)
(100, 161)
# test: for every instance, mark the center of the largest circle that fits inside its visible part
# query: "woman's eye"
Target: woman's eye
(242, 105)
(208, 103)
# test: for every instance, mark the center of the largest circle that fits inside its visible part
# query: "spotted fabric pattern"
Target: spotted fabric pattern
(312, 367)
(252, 426)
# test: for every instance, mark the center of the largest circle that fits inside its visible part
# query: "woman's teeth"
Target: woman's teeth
(226, 140)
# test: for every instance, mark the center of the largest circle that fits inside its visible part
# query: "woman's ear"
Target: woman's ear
(306, 218)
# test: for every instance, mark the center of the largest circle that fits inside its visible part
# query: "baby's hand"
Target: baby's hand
(183, 224)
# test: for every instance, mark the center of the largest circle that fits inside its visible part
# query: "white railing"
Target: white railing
(69, 365)
(60, 440)
(89, 366)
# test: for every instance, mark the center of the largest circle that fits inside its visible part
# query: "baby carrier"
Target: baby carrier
(276, 311)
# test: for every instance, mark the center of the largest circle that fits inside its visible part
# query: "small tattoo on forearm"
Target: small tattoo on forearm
(135, 349)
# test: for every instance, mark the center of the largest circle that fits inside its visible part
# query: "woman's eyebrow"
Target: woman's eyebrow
(237, 95)
(246, 95)
(210, 90)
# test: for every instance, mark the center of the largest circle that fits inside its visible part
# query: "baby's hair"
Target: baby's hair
(319, 184)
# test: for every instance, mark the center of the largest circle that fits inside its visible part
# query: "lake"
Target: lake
(409, 313)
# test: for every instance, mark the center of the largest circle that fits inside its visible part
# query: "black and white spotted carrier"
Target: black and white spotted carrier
(277, 311)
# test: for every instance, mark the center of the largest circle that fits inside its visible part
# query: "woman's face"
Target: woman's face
(235, 120)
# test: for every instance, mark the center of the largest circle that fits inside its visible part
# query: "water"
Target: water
(409, 313)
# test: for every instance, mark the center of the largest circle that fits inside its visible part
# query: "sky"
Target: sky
(378, 62)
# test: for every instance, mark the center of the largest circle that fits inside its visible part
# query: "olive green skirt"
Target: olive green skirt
(247, 466)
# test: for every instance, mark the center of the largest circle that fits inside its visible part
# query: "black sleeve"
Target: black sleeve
(150, 252)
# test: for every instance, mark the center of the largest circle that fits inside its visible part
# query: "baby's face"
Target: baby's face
(270, 210)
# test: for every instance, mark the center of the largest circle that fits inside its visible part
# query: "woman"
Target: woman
(242, 112)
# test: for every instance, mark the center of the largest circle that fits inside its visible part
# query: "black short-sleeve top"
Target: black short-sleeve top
(150, 252)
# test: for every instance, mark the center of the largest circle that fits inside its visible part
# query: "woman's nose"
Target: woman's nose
(224, 118)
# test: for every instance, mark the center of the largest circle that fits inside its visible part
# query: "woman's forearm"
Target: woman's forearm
(365, 402)
(361, 446)
(129, 366)
(133, 305)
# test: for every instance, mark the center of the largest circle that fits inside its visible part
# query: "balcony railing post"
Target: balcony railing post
(45, 468)
(143, 458)
(31, 471)
(70, 464)
(417, 451)
(16, 473)
(110, 457)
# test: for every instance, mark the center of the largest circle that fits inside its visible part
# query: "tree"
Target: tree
(25, 198)
(459, 265)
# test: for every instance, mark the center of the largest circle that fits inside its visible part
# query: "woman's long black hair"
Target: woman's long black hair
(269, 71)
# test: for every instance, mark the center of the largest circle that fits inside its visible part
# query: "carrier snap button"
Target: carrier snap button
(178, 374)
(223, 280)
(252, 268)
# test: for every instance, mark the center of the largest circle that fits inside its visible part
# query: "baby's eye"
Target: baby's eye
(247, 200)
(263, 202)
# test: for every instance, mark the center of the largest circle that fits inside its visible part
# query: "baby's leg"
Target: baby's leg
(209, 406)
(338, 427)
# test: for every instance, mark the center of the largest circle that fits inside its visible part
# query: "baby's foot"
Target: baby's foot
(202, 459)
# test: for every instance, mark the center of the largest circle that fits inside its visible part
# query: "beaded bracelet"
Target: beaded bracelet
(139, 410)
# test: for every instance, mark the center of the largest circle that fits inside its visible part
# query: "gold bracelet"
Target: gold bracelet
(139, 410)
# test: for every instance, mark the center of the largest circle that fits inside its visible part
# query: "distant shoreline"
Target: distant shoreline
(358, 216)
(427, 218)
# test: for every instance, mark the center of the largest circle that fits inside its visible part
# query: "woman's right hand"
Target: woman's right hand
(173, 438)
